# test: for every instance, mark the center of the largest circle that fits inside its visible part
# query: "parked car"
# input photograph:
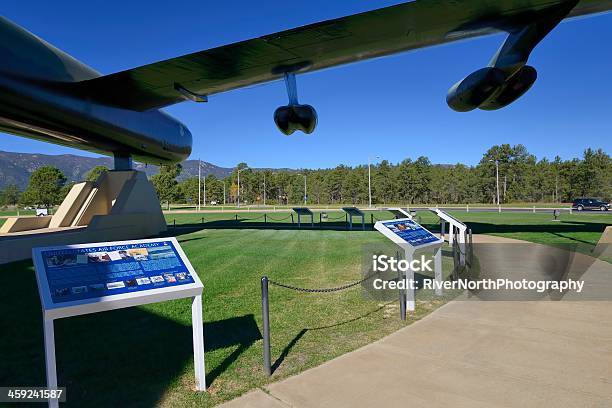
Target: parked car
(42, 212)
(590, 204)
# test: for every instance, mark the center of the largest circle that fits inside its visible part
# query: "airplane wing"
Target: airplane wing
(376, 33)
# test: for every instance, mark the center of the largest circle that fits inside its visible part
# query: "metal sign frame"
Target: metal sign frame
(398, 212)
(354, 212)
(52, 311)
(452, 224)
(409, 253)
(304, 211)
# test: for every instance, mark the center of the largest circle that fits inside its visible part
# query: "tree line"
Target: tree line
(522, 178)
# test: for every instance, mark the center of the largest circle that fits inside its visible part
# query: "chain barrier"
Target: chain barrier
(250, 219)
(265, 308)
(324, 290)
(280, 219)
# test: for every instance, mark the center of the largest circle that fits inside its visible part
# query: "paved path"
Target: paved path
(474, 354)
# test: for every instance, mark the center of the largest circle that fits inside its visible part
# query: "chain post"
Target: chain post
(265, 311)
(471, 249)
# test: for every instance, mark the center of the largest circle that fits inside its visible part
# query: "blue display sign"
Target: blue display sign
(92, 272)
(411, 232)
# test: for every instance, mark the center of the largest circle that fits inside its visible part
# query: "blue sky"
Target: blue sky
(392, 107)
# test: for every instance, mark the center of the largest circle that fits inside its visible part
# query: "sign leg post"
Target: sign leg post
(462, 247)
(410, 303)
(198, 343)
(438, 269)
(265, 314)
(50, 359)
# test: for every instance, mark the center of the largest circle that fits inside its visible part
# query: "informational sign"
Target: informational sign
(304, 211)
(406, 230)
(89, 278)
(412, 238)
(98, 271)
(354, 212)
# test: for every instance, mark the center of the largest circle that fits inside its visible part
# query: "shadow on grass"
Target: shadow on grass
(127, 357)
(305, 330)
(188, 228)
(556, 228)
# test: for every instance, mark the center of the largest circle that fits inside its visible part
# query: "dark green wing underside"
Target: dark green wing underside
(403, 27)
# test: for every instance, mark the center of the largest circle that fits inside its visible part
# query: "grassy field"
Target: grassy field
(583, 229)
(142, 356)
(230, 207)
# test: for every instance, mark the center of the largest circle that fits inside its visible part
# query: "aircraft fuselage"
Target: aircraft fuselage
(33, 104)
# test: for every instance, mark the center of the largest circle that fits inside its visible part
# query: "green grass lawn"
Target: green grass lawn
(143, 356)
(581, 229)
(13, 213)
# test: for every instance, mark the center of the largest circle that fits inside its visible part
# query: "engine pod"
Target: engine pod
(290, 118)
(475, 89)
(514, 88)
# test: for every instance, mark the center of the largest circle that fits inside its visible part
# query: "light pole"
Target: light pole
(496, 177)
(264, 192)
(299, 174)
(370, 182)
(199, 181)
(244, 168)
(224, 192)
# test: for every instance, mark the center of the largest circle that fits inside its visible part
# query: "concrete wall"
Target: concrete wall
(72, 204)
(18, 224)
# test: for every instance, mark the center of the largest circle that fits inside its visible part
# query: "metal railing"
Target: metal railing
(466, 253)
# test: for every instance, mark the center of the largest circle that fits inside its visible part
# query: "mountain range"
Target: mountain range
(17, 167)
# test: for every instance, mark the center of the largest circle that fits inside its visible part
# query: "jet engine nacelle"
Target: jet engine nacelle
(490, 89)
(475, 89)
(512, 89)
(290, 118)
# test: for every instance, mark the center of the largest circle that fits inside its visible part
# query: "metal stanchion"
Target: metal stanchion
(402, 292)
(456, 259)
(202, 220)
(265, 314)
(292, 218)
(265, 218)
(471, 248)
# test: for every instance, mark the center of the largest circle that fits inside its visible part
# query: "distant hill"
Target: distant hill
(17, 167)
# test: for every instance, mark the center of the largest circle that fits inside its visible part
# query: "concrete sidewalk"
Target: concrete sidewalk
(472, 354)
